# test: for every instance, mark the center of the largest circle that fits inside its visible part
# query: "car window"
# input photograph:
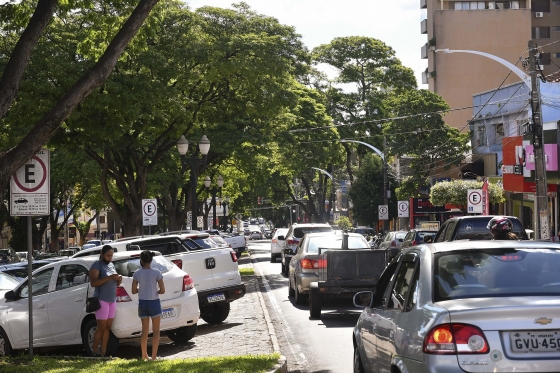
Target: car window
(280, 232)
(497, 273)
(448, 234)
(71, 275)
(401, 286)
(400, 235)
(127, 267)
(300, 232)
(165, 248)
(191, 244)
(473, 229)
(413, 292)
(205, 243)
(40, 283)
(383, 285)
(354, 242)
(7, 283)
(441, 232)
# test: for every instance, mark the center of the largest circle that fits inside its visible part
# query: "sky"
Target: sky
(394, 22)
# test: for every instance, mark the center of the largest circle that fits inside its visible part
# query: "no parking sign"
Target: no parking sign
(383, 212)
(403, 209)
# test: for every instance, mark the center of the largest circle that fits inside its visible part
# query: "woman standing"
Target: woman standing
(105, 279)
(149, 305)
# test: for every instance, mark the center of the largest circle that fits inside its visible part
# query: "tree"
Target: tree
(13, 67)
(455, 193)
(343, 223)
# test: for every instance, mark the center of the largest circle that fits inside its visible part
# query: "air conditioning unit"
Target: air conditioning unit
(539, 14)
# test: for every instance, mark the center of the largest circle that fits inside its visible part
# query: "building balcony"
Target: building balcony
(424, 51)
(424, 26)
(425, 77)
(423, 4)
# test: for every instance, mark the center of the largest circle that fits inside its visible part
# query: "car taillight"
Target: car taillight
(274, 240)
(233, 256)
(309, 264)
(413, 243)
(292, 242)
(322, 263)
(188, 283)
(122, 295)
(178, 263)
(455, 338)
(393, 243)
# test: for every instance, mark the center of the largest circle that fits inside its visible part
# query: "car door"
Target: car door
(67, 301)
(395, 302)
(18, 311)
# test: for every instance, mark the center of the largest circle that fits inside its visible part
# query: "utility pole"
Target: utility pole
(542, 226)
(385, 180)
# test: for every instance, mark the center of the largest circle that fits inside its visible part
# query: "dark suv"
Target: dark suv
(474, 228)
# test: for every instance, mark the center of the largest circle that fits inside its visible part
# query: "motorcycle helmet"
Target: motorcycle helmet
(499, 224)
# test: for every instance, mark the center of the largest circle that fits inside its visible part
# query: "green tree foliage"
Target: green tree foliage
(343, 223)
(455, 192)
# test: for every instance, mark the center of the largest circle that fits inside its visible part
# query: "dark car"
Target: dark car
(417, 236)
(474, 227)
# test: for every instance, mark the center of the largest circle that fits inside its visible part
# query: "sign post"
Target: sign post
(29, 196)
(475, 202)
(149, 213)
(383, 212)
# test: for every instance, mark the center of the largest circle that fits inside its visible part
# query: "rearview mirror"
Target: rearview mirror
(363, 299)
(10, 295)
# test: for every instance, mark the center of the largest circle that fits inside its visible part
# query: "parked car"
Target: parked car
(237, 242)
(467, 306)
(256, 235)
(19, 270)
(215, 270)
(474, 227)
(246, 231)
(218, 240)
(293, 236)
(22, 256)
(392, 243)
(66, 252)
(415, 237)
(276, 244)
(9, 255)
(364, 231)
(304, 266)
(60, 290)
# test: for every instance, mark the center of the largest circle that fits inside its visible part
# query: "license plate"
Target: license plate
(535, 341)
(216, 297)
(167, 313)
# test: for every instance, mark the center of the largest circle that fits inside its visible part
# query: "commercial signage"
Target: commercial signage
(30, 187)
(429, 225)
(424, 206)
(149, 212)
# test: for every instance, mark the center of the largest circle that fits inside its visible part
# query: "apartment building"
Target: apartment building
(501, 28)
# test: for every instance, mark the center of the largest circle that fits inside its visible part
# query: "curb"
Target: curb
(282, 365)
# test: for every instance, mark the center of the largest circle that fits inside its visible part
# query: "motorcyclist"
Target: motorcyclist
(501, 228)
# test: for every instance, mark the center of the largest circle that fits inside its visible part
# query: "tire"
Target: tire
(358, 366)
(272, 258)
(181, 335)
(216, 313)
(291, 292)
(300, 298)
(314, 301)
(5, 345)
(87, 340)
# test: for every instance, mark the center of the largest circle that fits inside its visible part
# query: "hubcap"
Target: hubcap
(90, 339)
(2, 346)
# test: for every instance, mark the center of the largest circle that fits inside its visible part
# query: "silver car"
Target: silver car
(304, 266)
(472, 306)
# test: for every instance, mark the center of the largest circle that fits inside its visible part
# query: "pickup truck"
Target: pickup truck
(237, 243)
(214, 270)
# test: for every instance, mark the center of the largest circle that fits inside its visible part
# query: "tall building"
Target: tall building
(501, 28)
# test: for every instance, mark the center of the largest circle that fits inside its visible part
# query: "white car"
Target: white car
(276, 244)
(60, 290)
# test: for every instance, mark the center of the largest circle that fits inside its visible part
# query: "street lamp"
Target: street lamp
(194, 162)
(225, 204)
(214, 191)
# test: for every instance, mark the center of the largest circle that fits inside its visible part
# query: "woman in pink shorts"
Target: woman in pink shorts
(105, 279)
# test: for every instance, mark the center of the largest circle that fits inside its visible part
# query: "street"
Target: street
(323, 345)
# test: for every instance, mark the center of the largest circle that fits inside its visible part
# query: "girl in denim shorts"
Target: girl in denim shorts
(149, 305)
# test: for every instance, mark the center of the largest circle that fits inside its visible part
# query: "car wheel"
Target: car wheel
(5, 346)
(216, 313)
(291, 291)
(358, 366)
(87, 340)
(314, 301)
(180, 335)
(300, 297)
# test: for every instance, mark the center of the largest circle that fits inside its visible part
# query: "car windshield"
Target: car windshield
(329, 242)
(7, 282)
(476, 229)
(496, 273)
(400, 235)
(300, 232)
(219, 240)
(127, 267)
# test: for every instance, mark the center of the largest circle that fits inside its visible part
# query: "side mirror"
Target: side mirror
(281, 238)
(363, 299)
(10, 296)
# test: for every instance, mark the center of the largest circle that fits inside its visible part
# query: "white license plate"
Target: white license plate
(167, 313)
(216, 297)
(535, 341)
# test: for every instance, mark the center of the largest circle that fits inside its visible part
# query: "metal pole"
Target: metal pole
(194, 162)
(214, 192)
(30, 283)
(541, 201)
(385, 180)
(65, 223)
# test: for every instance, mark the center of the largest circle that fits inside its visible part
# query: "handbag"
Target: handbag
(92, 304)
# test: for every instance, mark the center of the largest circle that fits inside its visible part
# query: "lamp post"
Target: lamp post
(214, 191)
(194, 162)
(225, 204)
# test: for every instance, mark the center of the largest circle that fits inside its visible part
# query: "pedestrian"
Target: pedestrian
(149, 305)
(501, 228)
(105, 279)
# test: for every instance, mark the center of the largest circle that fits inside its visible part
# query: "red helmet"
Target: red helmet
(499, 224)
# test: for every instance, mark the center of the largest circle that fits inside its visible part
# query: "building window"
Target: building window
(481, 136)
(470, 5)
(102, 220)
(544, 59)
(540, 32)
(540, 6)
(556, 28)
(557, 55)
(499, 129)
(555, 2)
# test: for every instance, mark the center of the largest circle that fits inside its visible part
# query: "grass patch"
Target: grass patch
(225, 364)
(246, 271)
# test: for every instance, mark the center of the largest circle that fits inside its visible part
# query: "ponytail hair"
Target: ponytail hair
(146, 256)
(104, 250)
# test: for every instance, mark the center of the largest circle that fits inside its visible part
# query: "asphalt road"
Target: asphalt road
(310, 345)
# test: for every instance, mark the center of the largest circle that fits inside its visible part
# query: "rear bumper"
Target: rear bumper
(231, 293)
(304, 280)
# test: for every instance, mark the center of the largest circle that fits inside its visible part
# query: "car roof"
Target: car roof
(305, 225)
(334, 233)
(488, 244)
(481, 217)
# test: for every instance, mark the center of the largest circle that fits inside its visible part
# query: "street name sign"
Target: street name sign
(149, 212)
(30, 187)
(383, 212)
(474, 201)
(403, 209)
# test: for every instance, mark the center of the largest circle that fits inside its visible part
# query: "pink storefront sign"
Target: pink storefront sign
(551, 157)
